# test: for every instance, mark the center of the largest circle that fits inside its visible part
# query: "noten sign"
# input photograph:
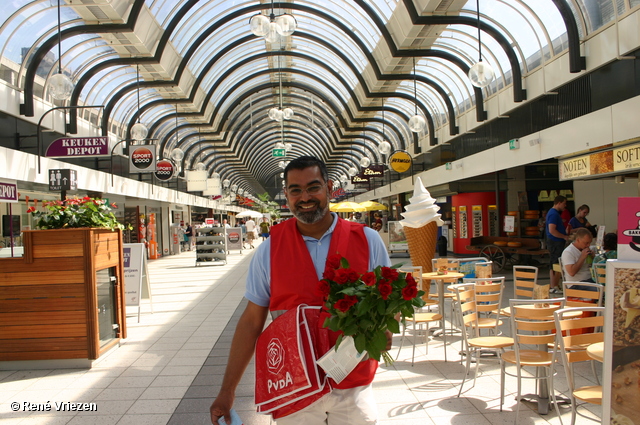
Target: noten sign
(71, 147)
(62, 179)
(575, 167)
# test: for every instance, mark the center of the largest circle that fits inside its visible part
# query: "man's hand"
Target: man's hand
(221, 407)
(389, 336)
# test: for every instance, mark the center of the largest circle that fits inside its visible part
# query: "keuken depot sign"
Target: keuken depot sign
(74, 147)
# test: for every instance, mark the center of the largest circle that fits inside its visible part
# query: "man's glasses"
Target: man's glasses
(311, 190)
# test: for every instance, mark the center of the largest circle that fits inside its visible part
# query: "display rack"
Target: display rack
(211, 246)
(529, 224)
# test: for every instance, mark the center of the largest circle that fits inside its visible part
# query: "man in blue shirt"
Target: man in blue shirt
(556, 239)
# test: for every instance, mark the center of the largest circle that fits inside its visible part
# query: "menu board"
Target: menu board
(454, 222)
(494, 220)
(622, 343)
(476, 220)
(464, 233)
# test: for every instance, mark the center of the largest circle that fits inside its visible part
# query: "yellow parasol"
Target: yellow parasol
(372, 206)
(346, 207)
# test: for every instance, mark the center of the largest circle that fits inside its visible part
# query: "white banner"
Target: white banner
(196, 180)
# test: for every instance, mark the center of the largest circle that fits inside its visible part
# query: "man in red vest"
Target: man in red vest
(283, 274)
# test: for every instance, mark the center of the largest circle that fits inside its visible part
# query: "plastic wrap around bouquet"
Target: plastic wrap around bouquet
(421, 221)
(364, 306)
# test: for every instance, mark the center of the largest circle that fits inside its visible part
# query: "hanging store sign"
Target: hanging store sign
(360, 179)
(376, 170)
(8, 191)
(400, 161)
(164, 170)
(73, 147)
(142, 159)
(214, 187)
(62, 179)
(196, 180)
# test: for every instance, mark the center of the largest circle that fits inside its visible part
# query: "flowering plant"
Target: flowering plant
(72, 213)
(364, 306)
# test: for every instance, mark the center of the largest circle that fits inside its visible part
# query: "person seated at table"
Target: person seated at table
(577, 259)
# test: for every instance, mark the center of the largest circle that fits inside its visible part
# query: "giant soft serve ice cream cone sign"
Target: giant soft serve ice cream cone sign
(421, 221)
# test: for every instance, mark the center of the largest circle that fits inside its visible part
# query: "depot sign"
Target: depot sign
(73, 147)
(142, 159)
(164, 170)
(8, 191)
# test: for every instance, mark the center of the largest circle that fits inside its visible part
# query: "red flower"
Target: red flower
(385, 290)
(31, 209)
(409, 292)
(329, 274)
(352, 275)
(333, 261)
(323, 289)
(113, 205)
(345, 304)
(369, 278)
(411, 281)
(344, 276)
(389, 273)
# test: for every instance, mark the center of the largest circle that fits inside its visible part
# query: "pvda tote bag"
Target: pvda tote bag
(287, 376)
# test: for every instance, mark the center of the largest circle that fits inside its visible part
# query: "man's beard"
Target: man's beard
(310, 217)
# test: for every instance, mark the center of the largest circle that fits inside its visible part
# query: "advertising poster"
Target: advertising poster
(622, 343)
(397, 238)
(234, 238)
(133, 255)
(629, 228)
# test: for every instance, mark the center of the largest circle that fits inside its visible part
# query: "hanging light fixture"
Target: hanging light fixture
(272, 27)
(280, 113)
(139, 131)
(416, 122)
(384, 147)
(60, 85)
(481, 74)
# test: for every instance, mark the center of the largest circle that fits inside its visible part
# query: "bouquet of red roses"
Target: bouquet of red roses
(364, 306)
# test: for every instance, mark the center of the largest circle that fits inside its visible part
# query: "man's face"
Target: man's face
(562, 205)
(583, 242)
(307, 207)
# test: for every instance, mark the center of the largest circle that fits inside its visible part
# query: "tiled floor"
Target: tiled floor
(170, 367)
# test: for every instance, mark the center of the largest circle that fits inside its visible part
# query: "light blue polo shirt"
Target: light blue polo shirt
(258, 289)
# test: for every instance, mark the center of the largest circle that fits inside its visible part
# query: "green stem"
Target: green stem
(388, 360)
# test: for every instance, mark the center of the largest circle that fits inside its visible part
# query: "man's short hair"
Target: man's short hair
(582, 232)
(558, 199)
(303, 162)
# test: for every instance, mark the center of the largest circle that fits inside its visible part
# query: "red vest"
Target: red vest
(294, 277)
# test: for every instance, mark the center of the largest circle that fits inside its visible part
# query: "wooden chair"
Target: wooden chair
(472, 343)
(525, 279)
(532, 323)
(488, 299)
(419, 315)
(572, 332)
(599, 273)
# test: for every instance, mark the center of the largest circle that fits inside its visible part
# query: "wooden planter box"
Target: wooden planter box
(49, 297)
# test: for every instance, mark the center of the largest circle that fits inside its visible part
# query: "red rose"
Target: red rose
(352, 275)
(389, 273)
(345, 304)
(369, 278)
(341, 276)
(411, 281)
(329, 274)
(323, 288)
(385, 290)
(409, 292)
(333, 261)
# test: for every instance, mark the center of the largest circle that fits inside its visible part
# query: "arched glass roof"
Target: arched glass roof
(344, 61)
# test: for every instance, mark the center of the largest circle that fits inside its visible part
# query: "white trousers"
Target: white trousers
(354, 406)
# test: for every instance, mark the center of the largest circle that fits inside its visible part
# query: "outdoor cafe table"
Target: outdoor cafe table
(596, 351)
(440, 279)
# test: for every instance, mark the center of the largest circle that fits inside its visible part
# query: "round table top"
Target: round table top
(596, 351)
(444, 277)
